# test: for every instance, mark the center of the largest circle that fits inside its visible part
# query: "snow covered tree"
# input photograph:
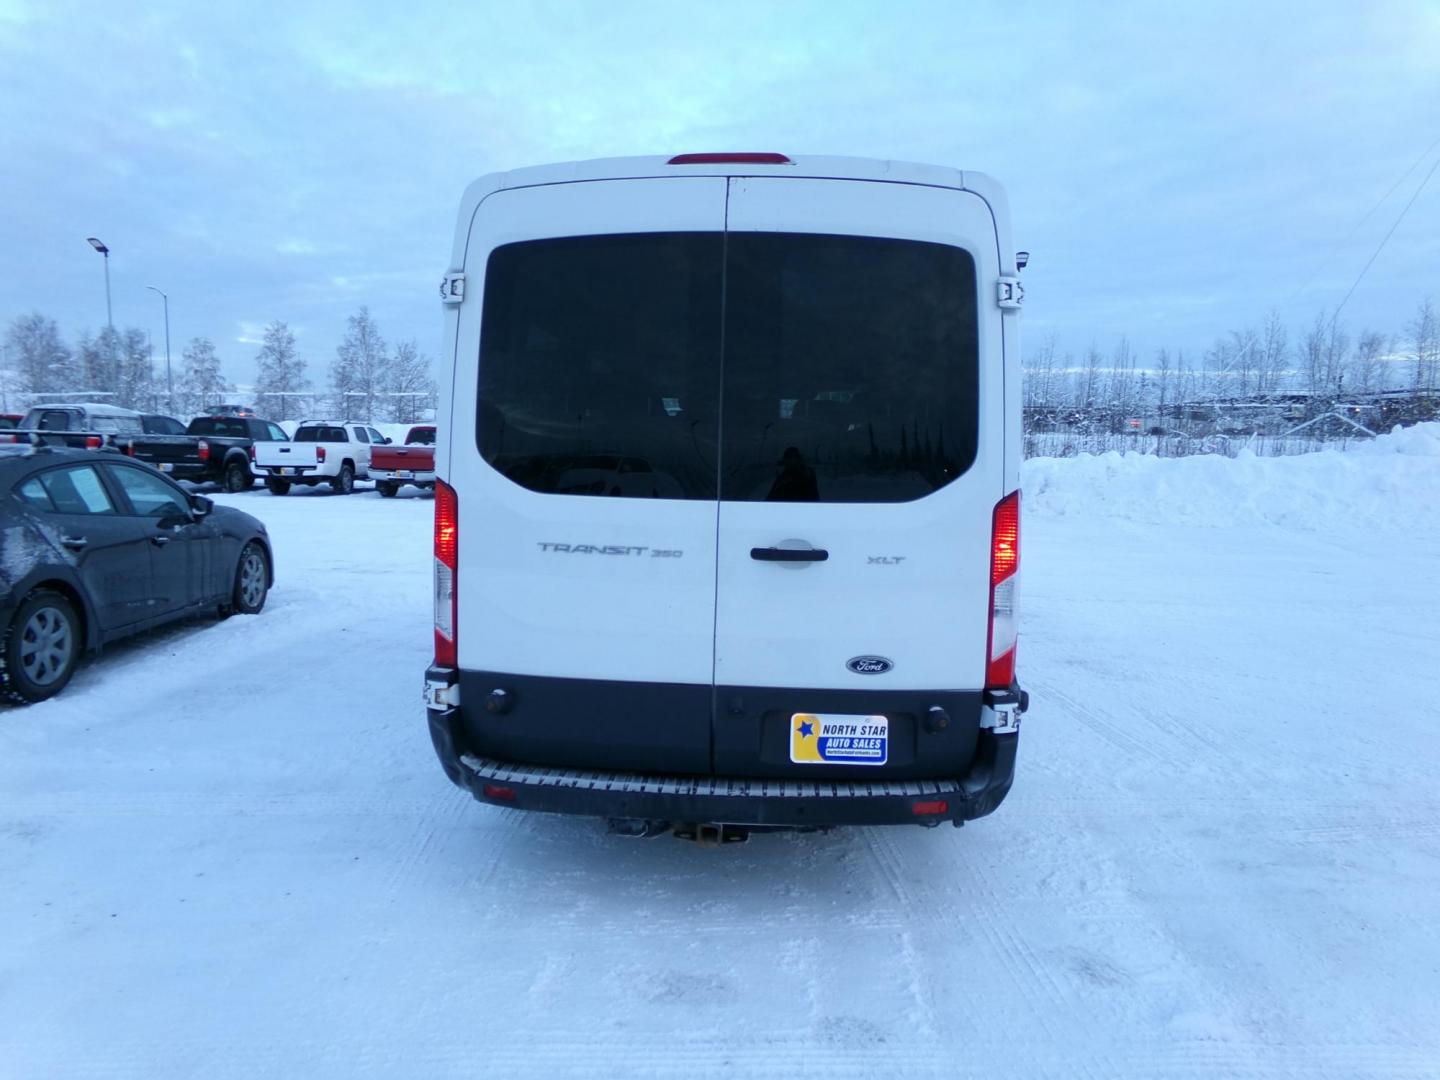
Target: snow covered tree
(1274, 353)
(41, 363)
(1424, 342)
(280, 374)
(358, 373)
(99, 363)
(408, 385)
(135, 373)
(1162, 379)
(1365, 367)
(202, 385)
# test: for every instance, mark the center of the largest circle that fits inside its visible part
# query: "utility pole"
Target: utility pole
(169, 382)
(109, 314)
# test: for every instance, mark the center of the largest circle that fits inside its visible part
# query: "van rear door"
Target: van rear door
(586, 424)
(861, 456)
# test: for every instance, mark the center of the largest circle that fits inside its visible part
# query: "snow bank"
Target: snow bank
(1394, 479)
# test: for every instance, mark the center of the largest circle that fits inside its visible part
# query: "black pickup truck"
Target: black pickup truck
(216, 449)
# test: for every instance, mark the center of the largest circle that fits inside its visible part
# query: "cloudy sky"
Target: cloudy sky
(1174, 171)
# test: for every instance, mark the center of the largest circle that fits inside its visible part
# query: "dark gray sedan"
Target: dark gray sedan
(95, 547)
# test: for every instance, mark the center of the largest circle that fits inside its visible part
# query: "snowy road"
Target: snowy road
(228, 850)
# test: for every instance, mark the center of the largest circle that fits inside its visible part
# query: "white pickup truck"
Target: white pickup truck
(321, 452)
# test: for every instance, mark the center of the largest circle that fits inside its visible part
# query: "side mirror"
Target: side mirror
(200, 505)
(387, 440)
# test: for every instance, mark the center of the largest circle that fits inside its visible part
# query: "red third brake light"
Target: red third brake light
(730, 159)
(447, 544)
(1004, 582)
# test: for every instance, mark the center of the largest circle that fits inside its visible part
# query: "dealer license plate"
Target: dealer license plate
(839, 739)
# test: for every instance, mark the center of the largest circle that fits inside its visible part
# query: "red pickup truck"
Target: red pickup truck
(414, 463)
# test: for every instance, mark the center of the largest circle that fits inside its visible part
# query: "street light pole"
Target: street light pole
(169, 383)
(109, 314)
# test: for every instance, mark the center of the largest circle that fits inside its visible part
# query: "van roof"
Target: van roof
(820, 167)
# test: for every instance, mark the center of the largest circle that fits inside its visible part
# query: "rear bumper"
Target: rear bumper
(426, 477)
(728, 800)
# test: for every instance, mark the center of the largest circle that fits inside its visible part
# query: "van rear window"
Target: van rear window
(321, 434)
(849, 370)
(600, 364)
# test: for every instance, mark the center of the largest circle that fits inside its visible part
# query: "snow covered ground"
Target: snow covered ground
(227, 850)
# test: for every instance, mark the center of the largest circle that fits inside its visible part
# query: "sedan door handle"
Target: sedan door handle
(160, 541)
(74, 543)
(775, 554)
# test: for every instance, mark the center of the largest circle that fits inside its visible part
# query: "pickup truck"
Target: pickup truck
(212, 449)
(321, 452)
(392, 467)
(81, 425)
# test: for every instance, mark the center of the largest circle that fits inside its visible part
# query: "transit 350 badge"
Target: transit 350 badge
(836, 739)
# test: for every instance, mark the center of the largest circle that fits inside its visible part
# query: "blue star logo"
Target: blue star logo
(806, 728)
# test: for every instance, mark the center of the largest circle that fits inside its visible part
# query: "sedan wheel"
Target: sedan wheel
(41, 647)
(252, 581)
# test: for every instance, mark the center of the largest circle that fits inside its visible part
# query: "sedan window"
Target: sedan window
(150, 495)
(77, 490)
(33, 492)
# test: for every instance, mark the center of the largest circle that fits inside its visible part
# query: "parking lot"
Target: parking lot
(227, 849)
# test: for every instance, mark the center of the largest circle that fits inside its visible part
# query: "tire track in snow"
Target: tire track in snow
(985, 916)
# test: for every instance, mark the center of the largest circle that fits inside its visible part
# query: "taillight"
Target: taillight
(320, 454)
(203, 449)
(129, 447)
(93, 442)
(447, 541)
(1004, 596)
(733, 158)
(250, 451)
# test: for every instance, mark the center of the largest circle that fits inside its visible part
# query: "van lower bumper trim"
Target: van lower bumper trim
(728, 800)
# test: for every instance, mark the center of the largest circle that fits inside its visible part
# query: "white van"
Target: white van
(727, 520)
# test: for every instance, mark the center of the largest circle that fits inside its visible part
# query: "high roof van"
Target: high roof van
(727, 511)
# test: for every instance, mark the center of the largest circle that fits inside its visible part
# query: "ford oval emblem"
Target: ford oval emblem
(869, 665)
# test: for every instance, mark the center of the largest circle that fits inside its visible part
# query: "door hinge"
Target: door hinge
(1009, 291)
(452, 287)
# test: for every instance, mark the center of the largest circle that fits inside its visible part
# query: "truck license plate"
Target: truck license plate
(284, 471)
(167, 466)
(404, 474)
(839, 739)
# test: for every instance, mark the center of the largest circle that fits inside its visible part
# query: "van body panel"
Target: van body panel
(571, 585)
(677, 533)
(904, 580)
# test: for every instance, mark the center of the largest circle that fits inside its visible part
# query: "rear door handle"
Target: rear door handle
(160, 541)
(775, 554)
(74, 543)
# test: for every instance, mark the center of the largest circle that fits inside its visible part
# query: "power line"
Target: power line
(1335, 247)
(1401, 217)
